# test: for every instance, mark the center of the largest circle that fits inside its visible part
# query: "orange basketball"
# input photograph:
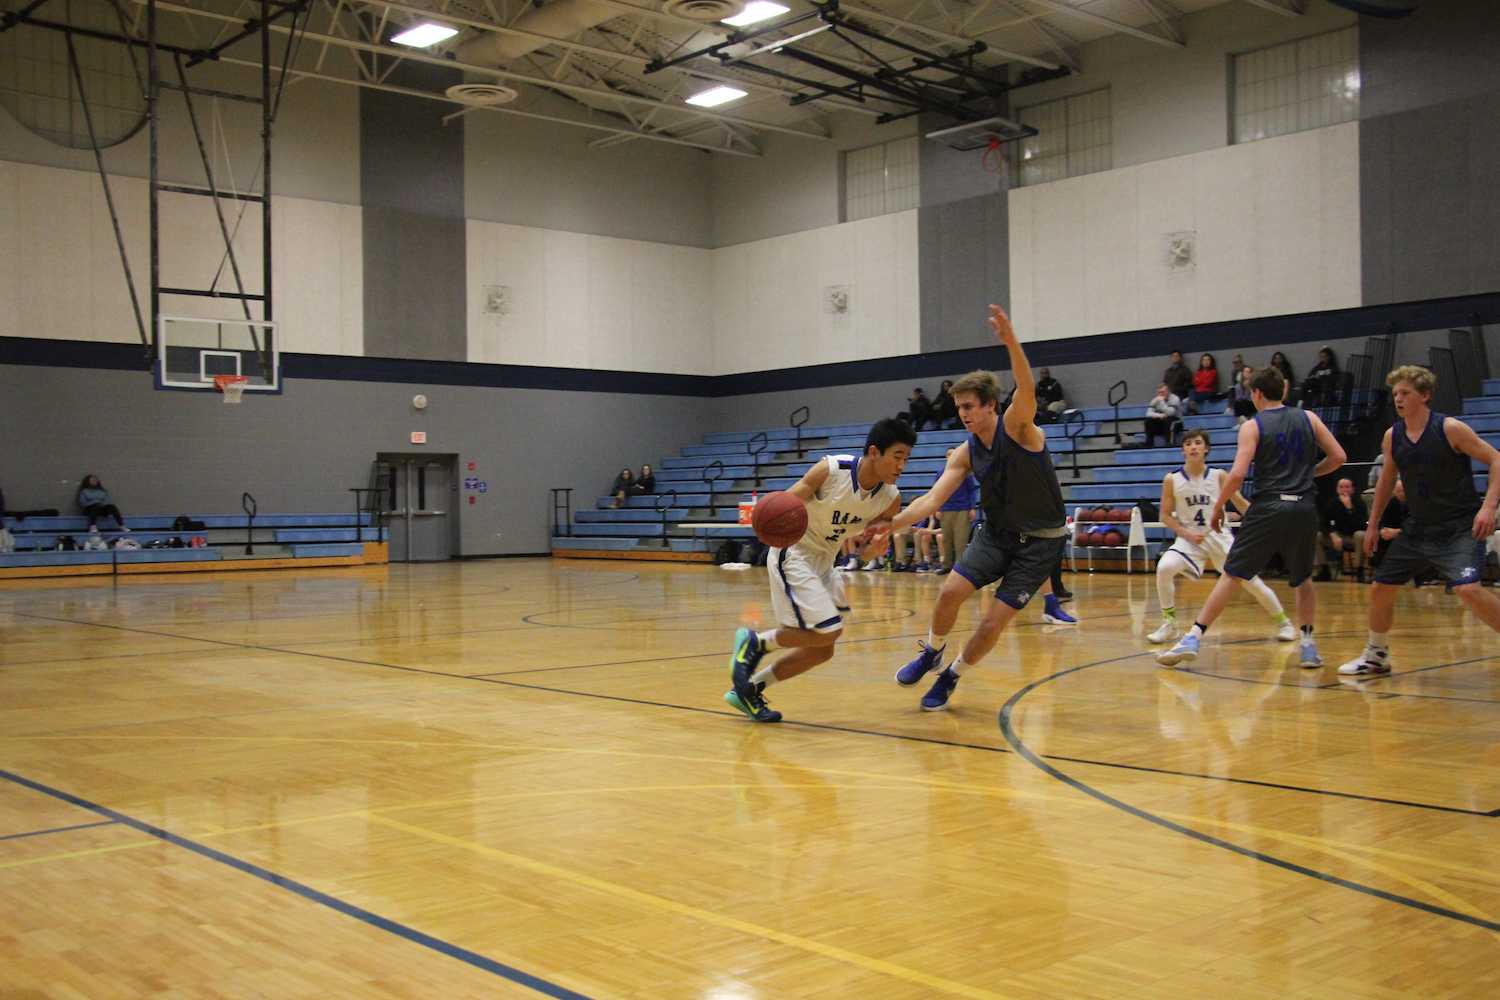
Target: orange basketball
(1114, 538)
(780, 519)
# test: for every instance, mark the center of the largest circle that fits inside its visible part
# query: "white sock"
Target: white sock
(1380, 640)
(767, 639)
(1196, 631)
(765, 675)
(938, 642)
(958, 666)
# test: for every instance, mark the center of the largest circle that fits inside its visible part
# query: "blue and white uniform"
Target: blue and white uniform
(806, 591)
(1195, 500)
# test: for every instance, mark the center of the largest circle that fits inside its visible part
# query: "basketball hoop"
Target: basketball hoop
(232, 386)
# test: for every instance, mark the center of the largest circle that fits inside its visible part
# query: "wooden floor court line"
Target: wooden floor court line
(307, 892)
(1035, 760)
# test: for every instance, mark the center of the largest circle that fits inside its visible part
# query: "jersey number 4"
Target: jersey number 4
(1198, 518)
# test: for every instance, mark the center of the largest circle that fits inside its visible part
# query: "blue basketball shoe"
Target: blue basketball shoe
(927, 661)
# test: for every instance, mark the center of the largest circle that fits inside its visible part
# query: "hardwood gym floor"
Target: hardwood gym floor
(518, 777)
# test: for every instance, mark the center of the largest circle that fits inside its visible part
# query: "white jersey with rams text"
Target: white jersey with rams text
(806, 591)
(1195, 505)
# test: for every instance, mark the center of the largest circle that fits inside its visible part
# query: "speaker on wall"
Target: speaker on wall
(1379, 8)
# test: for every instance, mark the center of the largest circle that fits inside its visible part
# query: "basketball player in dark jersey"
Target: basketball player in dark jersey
(1283, 442)
(1025, 528)
(1447, 523)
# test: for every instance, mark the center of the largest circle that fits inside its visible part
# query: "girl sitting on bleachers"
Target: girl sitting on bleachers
(93, 500)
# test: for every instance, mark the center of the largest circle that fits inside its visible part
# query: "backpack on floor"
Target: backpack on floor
(727, 551)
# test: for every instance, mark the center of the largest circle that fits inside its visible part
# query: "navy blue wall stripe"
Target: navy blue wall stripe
(1240, 334)
(307, 892)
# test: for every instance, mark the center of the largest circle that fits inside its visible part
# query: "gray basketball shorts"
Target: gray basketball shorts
(1021, 563)
(1456, 555)
(1272, 527)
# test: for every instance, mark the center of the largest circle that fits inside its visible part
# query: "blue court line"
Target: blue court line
(58, 829)
(308, 892)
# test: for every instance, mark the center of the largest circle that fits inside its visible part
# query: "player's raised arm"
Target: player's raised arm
(1463, 439)
(806, 489)
(1020, 416)
(954, 474)
(1334, 455)
(1385, 488)
(1249, 440)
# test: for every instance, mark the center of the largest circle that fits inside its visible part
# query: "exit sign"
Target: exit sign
(418, 437)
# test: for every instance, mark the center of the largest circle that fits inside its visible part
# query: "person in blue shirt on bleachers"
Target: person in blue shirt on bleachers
(956, 519)
(93, 500)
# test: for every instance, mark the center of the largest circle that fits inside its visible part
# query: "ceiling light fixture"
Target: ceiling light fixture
(755, 12)
(423, 34)
(715, 96)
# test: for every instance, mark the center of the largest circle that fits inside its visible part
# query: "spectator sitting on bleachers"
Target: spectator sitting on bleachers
(918, 409)
(924, 547)
(1178, 376)
(1050, 403)
(1163, 415)
(1320, 388)
(644, 483)
(1281, 364)
(93, 500)
(944, 410)
(622, 487)
(1205, 383)
(1240, 403)
(1345, 520)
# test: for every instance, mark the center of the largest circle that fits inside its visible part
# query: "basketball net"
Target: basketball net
(232, 386)
(993, 158)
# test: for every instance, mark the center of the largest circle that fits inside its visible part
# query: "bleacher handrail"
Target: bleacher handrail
(755, 446)
(1072, 421)
(248, 504)
(797, 425)
(664, 503)
(1115, 401)
(717, 468)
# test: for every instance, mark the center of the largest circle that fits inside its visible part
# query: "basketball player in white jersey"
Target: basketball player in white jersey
(844, 496)
(1188, 497)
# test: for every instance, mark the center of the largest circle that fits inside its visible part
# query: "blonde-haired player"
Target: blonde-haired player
(1188, 496)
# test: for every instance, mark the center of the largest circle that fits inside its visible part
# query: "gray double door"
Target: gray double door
(419, 505)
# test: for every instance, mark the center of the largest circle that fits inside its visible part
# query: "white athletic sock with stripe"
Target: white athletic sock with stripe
(958, 666)
(767, 639)
(1380, 641)
(938, 642)
(765, 675)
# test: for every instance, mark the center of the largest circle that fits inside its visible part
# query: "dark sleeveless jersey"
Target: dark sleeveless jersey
(1018, 488)
(1286, 455)
(1439, 480)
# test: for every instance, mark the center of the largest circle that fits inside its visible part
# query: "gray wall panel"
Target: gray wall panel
(963, 252)
(186, 452)
(1429, 215)
(1445, 51)
(414, 286)
(415, 265)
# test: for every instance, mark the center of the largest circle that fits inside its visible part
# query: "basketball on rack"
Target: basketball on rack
(780, 519)
(1083, 538)
(1122, 515)
(1113, 538)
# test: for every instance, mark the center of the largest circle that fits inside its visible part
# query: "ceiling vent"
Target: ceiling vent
(481, 95)
(706, 11)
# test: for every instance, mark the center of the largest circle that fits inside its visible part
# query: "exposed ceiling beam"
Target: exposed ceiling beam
(1167, 19)
(1105, 22)
(501, 74)
(1063, 45)
(943, 35)
(444, 99)
(1286, 8)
